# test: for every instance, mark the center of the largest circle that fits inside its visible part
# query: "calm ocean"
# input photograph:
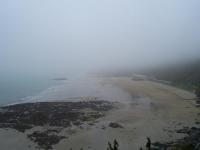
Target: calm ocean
(15, 89)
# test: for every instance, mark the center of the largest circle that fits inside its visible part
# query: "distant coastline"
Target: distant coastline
(59, 79)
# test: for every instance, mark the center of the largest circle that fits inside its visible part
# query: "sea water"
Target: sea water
(31, 89)
(18, 88)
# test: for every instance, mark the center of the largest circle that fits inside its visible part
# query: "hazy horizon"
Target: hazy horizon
(71, 37)
(99, 74)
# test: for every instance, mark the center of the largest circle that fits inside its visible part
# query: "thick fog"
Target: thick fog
(61, 37)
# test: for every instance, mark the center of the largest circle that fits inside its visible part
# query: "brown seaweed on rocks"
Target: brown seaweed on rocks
(60, 114)
(45, 139)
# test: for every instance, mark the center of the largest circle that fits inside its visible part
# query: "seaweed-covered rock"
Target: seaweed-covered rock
(61, 114)
(45, 139)
(115, 125)
(190, 142)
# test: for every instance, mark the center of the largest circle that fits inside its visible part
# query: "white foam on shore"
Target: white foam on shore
(79, 90)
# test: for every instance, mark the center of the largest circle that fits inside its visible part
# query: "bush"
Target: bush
(114, 147)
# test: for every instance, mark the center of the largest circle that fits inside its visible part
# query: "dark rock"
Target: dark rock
(197, 122)
(25, 116)
(190, 142)
(54, 114)
(45, 139)
(115, 125)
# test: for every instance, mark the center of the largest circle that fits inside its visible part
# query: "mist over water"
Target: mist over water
(99, 74)
(41, 40)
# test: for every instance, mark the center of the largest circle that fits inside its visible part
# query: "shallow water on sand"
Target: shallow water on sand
(85, 89)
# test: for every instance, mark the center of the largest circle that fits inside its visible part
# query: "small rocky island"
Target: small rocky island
(59, 79)
(55, 115)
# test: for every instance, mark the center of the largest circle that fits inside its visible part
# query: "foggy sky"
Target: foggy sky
(62, 36)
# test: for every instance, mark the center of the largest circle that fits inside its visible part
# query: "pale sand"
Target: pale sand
(154, 111)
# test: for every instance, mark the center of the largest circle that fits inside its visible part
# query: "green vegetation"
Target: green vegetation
(185, 75)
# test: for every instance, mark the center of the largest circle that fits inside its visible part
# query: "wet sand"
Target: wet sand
(144, 109)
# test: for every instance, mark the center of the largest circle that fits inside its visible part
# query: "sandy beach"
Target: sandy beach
(141, 109)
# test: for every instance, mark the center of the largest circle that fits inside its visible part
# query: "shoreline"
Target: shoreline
(129, 120)
(35, 95)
